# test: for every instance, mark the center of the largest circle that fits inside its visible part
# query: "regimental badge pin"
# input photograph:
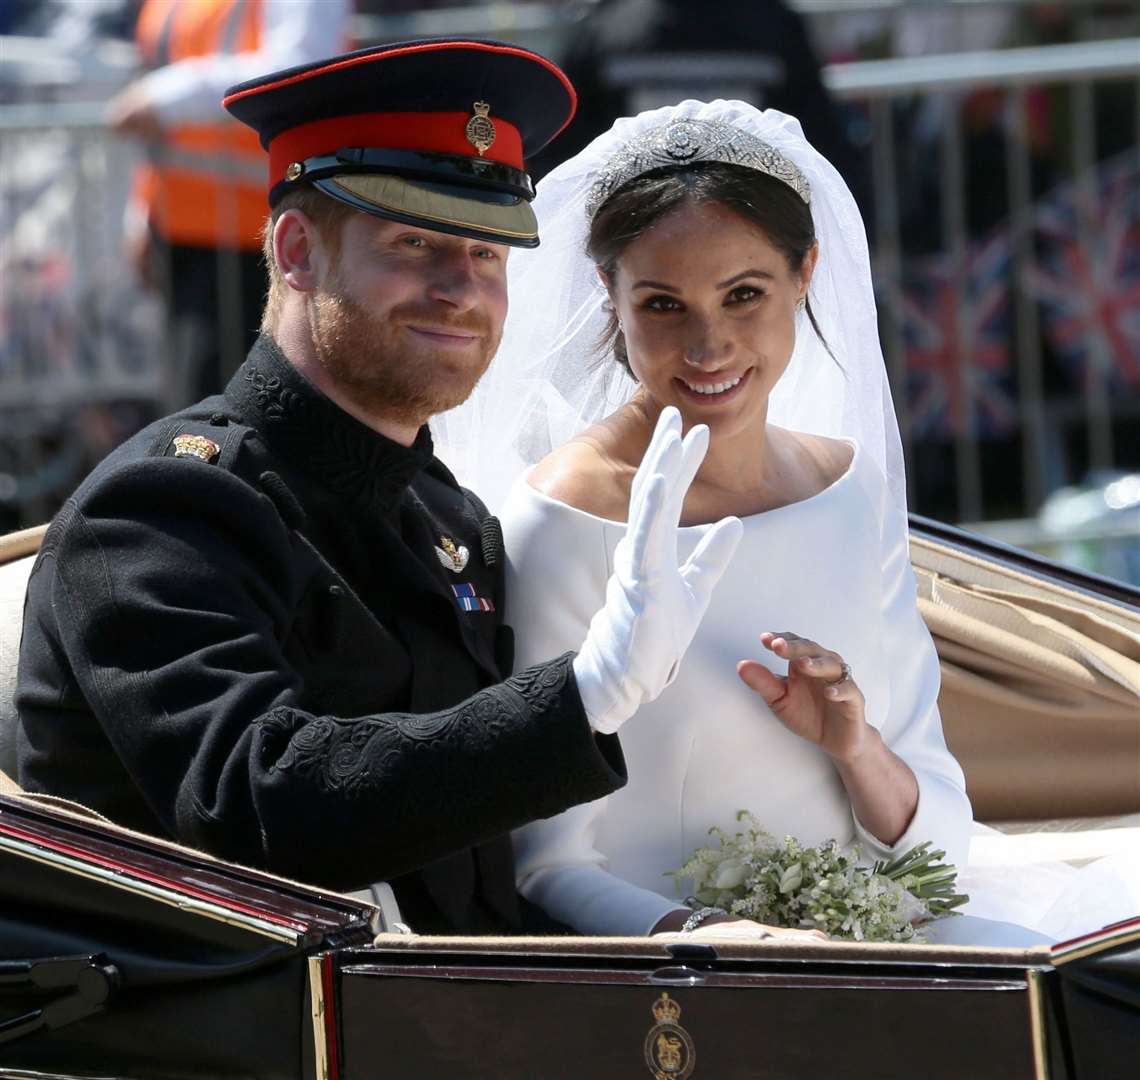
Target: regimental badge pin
(669, 1050)
(481, 128)
(196, 446)
(451, 555)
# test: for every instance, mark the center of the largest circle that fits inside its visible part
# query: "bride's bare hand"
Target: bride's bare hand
(817, 700)
(729, 927)
(724, 925)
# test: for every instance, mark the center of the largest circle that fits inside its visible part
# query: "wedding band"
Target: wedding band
(844, 674)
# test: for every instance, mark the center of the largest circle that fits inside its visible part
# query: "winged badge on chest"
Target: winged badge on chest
(451, 555)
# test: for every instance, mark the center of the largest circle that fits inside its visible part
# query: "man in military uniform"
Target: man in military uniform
(269, 626)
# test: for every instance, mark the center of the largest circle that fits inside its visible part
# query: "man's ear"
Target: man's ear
(297, 250)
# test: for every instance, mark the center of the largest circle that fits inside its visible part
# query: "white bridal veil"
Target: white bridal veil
(549, 381)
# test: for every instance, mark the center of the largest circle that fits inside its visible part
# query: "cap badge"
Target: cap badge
(294, 171)
(451, 556)
(481, 128)
(196, 446)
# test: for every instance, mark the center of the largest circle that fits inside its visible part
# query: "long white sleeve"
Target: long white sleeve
(913, 727)
(554, 872)
(557, 568)
(292, 32)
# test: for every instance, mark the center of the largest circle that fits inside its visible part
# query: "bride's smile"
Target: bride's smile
(716, 389)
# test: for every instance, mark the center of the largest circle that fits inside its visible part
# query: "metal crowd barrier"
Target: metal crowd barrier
(1077, 69)
(81, 362)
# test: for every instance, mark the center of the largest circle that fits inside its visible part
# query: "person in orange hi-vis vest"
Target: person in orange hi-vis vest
(194, 220)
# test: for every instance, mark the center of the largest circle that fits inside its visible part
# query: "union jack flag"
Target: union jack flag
(1089, 285)
(955, 319)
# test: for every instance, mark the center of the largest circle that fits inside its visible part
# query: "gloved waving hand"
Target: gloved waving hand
(653, 606)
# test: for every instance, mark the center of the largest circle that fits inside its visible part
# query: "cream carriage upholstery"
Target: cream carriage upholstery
(1040, 688)
(17, 553)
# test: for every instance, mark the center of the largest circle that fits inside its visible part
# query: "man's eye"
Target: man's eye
(415, 241)
(486, 253)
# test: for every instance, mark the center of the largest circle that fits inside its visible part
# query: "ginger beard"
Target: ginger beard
(384, 369)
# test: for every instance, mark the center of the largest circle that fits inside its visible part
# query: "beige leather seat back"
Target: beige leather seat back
(17, 554)
(1040, 689)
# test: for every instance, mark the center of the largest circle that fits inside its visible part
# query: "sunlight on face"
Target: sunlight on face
(408, 319)
(707, 304)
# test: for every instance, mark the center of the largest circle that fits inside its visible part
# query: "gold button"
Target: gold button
(294, 171)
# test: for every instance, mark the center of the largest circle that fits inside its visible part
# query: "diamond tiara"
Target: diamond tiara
(681, 142)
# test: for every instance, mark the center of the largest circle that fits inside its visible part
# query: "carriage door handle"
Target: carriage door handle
(91, 979)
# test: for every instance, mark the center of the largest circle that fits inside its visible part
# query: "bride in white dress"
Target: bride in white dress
(723, 264)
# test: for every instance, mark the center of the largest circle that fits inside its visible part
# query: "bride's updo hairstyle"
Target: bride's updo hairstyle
(762, 200)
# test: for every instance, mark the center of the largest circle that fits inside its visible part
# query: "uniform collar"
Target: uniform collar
(303, 426)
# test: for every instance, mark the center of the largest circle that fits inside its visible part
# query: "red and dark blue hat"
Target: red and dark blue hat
(432, 133)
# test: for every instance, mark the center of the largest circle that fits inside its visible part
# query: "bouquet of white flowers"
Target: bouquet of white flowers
(753, 875)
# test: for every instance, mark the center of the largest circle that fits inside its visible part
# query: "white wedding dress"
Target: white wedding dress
(709, 747)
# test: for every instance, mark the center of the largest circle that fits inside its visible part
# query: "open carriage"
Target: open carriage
(125, 956)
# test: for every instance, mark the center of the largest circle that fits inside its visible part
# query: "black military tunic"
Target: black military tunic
(266, 631)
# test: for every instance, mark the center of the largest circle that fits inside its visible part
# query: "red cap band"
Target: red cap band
(438, 133)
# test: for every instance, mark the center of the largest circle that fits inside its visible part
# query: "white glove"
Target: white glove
(653, 607)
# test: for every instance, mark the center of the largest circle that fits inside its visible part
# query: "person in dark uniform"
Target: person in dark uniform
(269, 626)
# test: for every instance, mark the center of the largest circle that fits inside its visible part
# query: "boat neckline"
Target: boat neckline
(843, 476)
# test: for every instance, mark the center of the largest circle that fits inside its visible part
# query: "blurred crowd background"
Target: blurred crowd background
(994, 148)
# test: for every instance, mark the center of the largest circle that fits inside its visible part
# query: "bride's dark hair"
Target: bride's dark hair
(766, 202)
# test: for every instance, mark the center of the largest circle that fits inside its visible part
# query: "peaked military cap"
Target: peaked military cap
(432, 133)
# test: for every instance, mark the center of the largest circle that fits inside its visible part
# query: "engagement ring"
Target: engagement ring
(844, 674)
